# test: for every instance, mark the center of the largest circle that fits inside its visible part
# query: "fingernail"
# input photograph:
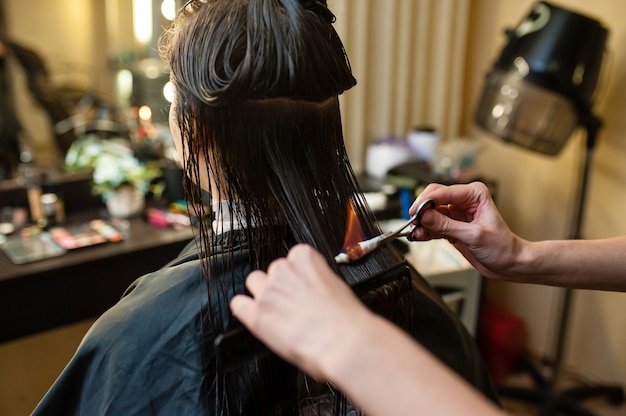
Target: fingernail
(416, 234)
(426, 218)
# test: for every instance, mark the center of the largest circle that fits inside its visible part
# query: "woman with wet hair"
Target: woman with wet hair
(257, 125)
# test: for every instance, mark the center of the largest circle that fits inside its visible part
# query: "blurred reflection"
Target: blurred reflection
(87, 73)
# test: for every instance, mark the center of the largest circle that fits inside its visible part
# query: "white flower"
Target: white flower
(108, 169)
(113, 163)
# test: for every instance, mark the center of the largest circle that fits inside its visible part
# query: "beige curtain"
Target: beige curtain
(408, 57)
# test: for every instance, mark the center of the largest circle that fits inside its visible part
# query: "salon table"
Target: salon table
(458, 283)
(83, 283)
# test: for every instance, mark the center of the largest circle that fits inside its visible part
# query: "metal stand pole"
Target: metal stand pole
(567, 293)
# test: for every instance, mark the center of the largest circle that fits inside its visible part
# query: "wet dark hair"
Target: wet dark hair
(257, 85)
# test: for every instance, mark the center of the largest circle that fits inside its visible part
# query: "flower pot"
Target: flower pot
(125, 202)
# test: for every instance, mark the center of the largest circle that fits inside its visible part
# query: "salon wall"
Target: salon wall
(537, 193)
(70, 37)
(408, 57)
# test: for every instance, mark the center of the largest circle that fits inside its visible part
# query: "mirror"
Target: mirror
(68, 67)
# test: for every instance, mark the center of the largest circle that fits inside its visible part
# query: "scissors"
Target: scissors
(365, 247)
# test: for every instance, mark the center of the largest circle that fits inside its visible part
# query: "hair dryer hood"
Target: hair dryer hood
(541, 86)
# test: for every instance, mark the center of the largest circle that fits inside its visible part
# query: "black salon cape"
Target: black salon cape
(143, 356)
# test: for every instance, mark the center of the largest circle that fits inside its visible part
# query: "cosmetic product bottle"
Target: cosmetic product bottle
(32, 181)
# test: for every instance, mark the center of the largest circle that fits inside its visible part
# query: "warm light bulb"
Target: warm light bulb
(124, 83)
(145, 113)
(142, 20)
(168, 91)
(168, 9)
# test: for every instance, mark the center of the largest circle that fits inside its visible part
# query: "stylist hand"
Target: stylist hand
(467, 217)
(300, 309)
(309, 316)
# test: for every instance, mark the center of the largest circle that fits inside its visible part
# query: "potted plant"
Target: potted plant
(119, 177)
